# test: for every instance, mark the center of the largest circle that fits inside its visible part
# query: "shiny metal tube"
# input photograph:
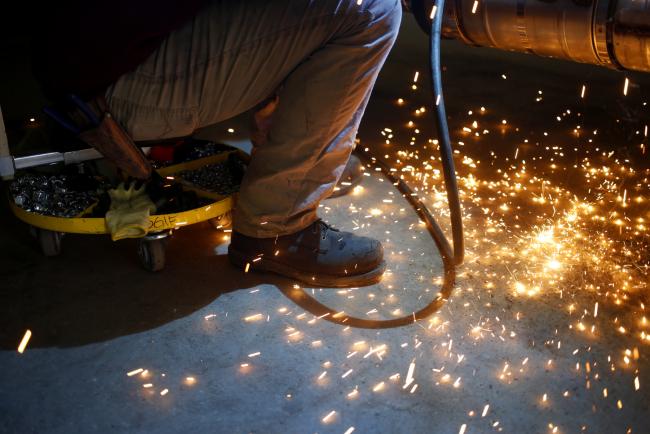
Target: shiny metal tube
(612, 33)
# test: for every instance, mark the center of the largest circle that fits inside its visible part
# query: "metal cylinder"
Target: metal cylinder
(613, 33)
(631, 34)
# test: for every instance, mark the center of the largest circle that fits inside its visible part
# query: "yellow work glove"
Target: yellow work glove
(128, 215)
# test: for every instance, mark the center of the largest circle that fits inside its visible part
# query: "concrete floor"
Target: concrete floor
(544, 330)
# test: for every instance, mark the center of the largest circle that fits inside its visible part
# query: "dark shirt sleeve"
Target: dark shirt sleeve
(84, 47)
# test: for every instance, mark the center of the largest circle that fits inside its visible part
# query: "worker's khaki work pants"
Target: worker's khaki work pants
(323, 55)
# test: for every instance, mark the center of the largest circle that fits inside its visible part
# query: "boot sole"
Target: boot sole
(371, 277)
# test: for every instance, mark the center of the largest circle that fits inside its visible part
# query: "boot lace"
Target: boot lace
(322, 227)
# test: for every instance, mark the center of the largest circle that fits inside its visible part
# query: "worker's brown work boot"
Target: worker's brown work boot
(318, 255)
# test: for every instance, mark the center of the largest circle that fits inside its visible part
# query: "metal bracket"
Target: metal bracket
(9, 164)
(7, 168)
(6, 162)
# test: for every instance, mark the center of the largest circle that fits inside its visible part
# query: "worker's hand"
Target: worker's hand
(128, 216)
(121, 195)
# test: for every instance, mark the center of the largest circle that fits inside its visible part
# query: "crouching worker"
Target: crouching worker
(166, 68)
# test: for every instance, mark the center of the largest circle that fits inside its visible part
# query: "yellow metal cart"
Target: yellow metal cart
(151, 250)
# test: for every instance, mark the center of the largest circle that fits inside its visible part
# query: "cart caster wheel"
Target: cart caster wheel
(50, 242)
(224, 221)
(152, 254)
